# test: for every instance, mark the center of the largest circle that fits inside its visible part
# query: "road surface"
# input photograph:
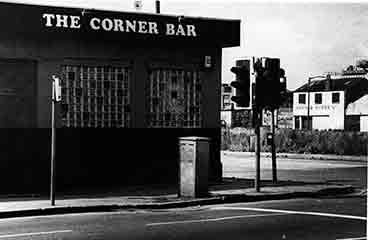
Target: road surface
(289, 219)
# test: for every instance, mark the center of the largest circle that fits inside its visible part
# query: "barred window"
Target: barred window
(95, 96)
(174, 99)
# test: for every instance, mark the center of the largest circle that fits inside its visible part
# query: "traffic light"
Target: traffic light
(283, 89)
(261, 84)
(282, 81)
(267, 82)
(241, 84)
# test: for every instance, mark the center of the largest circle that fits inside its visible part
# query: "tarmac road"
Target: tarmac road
(288, 219)
(340, 172)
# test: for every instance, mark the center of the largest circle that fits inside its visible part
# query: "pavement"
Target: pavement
(230, 190)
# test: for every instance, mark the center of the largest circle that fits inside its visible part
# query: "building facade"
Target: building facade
(328, 103)
(147, 78)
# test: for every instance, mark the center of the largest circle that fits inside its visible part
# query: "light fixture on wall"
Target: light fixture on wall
(138, 4)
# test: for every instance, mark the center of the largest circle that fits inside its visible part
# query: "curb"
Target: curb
(219, 199)
(306, 156)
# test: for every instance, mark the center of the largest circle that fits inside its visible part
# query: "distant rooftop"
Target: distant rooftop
(336, 83)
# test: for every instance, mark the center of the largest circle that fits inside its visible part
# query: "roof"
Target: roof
(336, 83)
(78, 5)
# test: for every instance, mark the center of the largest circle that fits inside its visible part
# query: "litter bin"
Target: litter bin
(193, 167)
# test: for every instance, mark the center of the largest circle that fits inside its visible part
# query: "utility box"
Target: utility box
(194, 166)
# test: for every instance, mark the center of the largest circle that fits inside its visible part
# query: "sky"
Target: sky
(310, 38)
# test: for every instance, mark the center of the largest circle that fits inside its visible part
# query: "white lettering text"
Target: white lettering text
(142, 27)
(118, 25)
(93, 23)
(74, 22)
(191, 30)
(48, 17)
(180, 30)
(170, 29)
(130, 25)
(61, 21)
(152, 28)
(107, 24)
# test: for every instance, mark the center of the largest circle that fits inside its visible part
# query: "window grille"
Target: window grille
(174, 99)
(95, 96)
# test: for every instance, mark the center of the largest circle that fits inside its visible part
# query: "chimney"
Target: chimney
(158, 6)
(328, 83)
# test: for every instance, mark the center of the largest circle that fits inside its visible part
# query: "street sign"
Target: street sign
(56, 88)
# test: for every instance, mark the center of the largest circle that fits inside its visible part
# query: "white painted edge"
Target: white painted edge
(214, 219)
(293, 212)
(34, 233)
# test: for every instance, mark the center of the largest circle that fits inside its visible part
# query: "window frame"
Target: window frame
(320, 99)
(338, 98)
(299, 98)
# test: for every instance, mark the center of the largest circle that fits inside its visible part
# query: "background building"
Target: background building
(235, 117)
(335, 102)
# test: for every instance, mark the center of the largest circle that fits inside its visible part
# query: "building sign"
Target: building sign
(317, 107)
(266, 117)
(109, 24)
(285, 118)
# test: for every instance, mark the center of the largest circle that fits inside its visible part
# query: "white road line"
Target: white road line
(292, 212)
(214, 219)
(359, 238)
(33, 234)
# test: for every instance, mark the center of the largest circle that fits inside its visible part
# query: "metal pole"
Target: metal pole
(308, 127)
(257, 149)
(273, 148)
(53, 138)
(158, 6)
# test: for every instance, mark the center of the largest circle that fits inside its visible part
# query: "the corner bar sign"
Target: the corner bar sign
(119, 25)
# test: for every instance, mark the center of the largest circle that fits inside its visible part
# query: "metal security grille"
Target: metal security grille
(95, 96)
(174, 98)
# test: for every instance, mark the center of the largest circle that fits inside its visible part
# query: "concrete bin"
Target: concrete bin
(194, 166)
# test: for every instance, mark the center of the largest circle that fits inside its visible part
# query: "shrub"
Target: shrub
(299, 141)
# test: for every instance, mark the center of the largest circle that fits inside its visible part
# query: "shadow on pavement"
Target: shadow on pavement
(156, 191)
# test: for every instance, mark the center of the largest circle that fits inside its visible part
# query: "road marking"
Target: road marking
(214, 219)
(359, 238)
(33, 234)
(292, 212)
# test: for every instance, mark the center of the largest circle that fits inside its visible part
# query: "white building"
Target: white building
(338, 102)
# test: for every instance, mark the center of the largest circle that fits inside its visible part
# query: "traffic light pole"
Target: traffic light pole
(258, 149)
(273, 148)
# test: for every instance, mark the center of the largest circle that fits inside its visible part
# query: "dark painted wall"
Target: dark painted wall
(94, 157)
